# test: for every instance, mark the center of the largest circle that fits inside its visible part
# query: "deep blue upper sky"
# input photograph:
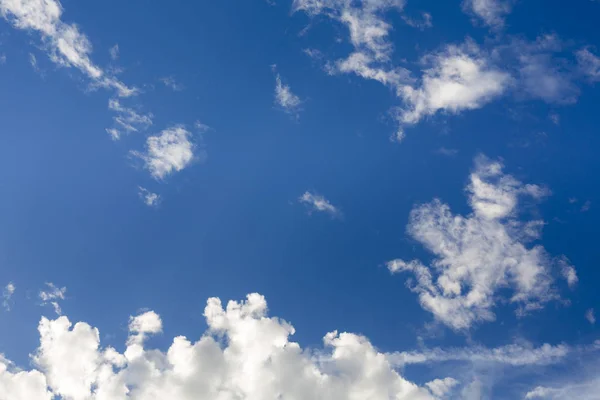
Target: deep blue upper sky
(231, 219)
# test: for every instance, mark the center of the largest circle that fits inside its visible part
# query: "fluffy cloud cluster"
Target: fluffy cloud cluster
(170, 151)
(479, 254)
(491, 12)
(460, 78)
(244, 355)
(66, 45)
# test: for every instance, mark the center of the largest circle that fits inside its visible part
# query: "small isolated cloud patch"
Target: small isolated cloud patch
(52, 295)
(168, 152)
(172, 84)
(590, 315)
(318, 203)
(150, 199)
(127, 120)
(7, 293)
(285, 99)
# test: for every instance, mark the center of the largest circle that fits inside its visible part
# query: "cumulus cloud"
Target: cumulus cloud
(460, 78)
(589, 64)
(513, 355)
(170, 151)
(244, 354)
(149, 198)
(441, 387)
(7, 293)
(590, 315)
(66, 45)
(127, 120)
(284, 97)
(482, 255)
(316, 202)
(490, 12)
(52, 295)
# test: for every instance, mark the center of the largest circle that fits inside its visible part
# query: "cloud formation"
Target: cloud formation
(284, 97)
(66, 45)
(127, 120)
(513, 355)
(244, 354)
(149, 198)
(318, 203)
(170, 151)
(52, 295)
(479, 254)
(490, 12)
(7, 294)
(459, 78)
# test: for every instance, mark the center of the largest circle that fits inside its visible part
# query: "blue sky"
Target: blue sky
(410, 185)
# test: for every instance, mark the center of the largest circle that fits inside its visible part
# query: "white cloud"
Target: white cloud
(2, 59)
(172, 84)
(7, 293)
(424, 23)
(590, 315)
(441, 387)
(284, 97)
(479, 256)
(114, 52)
(319, 203)
(540, 71)
(66, 45)
(491, 12)
(244, 354)
(16, 384)
(52, 295)
(586, 390)
(149, 198)
(460, 78)
(170, 151)
(127, 120)
(513, 355)
(568, 271)
(589, 64)
(364, 20)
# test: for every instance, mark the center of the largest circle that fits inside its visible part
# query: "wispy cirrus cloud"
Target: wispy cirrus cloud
(127, 120)
(65, 44)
